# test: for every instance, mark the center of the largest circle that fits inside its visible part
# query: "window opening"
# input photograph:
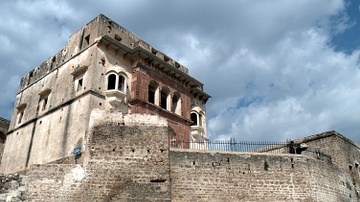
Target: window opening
(87, 40)
(111, 82)
(194, 119)
(45, 101)
(121, 83)
(52, 63)
(200, 120)
(176, 103)
(163, 100)
(21, 110)
(80, 84)
(151, 94)
(21, 114)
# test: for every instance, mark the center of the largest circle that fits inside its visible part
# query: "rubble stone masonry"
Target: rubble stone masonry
(129, 159)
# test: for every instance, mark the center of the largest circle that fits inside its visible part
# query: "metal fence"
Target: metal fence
(233, 145)
(247, 146)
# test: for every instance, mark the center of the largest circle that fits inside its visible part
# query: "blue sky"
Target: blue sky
(276, 69)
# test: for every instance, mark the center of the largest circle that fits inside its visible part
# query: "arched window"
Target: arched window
(194, 119)
(200, 120)
(111, 82)
(20, 114)
(121, 83)
(153, 92)
(176, 103)
(116, 81)
(164, 99)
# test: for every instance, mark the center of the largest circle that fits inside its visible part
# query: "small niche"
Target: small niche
(133, 150)
(148, 151)
(100, 104)
(193, 163)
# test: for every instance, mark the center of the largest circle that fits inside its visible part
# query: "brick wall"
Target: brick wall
(142, 76)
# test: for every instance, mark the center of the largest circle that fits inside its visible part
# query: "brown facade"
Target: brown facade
(143, 77)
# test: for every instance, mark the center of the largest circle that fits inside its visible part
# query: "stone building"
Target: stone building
(103, 66)
(109, 118)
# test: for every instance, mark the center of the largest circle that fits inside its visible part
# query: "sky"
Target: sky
(276, 69)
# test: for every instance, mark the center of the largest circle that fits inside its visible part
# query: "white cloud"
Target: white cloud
(269, 65)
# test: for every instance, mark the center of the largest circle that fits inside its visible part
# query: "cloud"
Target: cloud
(270, 66)
(304, 85)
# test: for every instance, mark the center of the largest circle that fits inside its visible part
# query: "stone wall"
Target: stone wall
(126, 163)
(12, 187)
(221, 176)
(128, 159)
(343, 152)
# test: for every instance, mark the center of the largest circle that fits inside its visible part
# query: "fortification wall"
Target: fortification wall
(344, 152)
(220, 176)
(127, 163)
(128, 159)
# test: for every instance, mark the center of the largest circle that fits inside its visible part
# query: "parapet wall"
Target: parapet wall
(344, 153)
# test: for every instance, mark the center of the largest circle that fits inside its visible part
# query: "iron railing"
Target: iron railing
(232, 145)
(246, 146)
